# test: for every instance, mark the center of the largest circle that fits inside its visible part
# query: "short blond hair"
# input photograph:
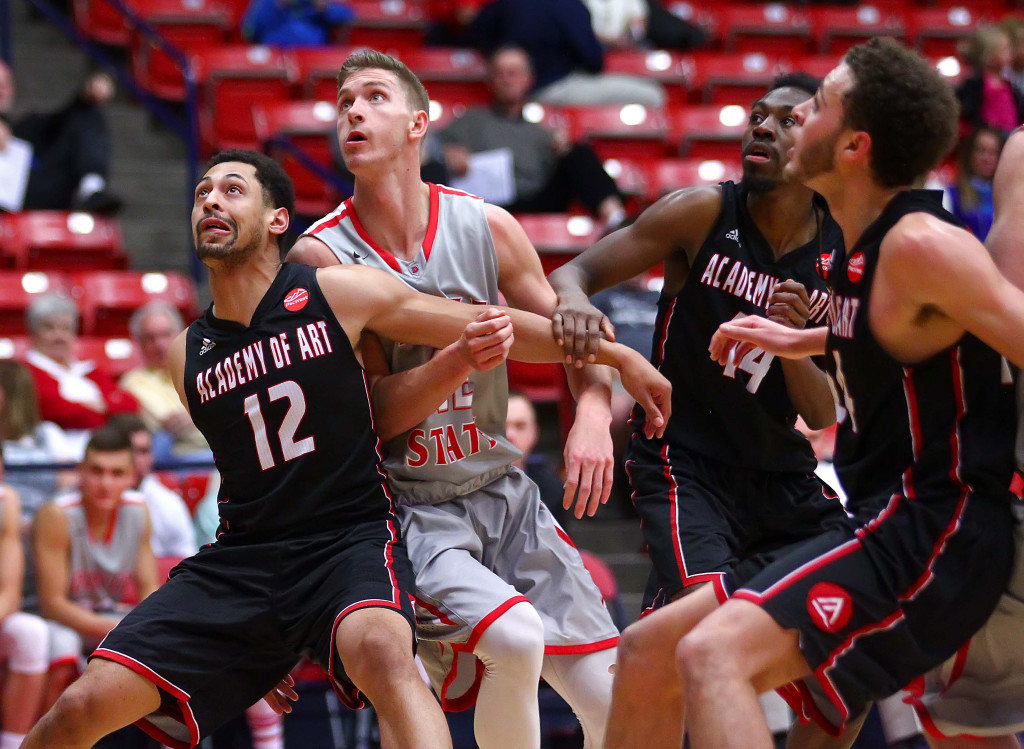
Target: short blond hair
(364, 59)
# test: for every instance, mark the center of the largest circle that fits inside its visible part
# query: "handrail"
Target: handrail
(301, 155)
(187, 127)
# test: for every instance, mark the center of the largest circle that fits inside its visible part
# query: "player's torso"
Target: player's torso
(740, 414)
(284, 406)
(934, 427)
(461, 445)
(101, 570)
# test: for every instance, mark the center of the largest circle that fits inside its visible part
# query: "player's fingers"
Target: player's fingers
(580, 344)
(571, 482)
(586, 482)
(607, 328)
(654, 421)
(593, 338)
(569, 329)
(608, 479)
(556, 328)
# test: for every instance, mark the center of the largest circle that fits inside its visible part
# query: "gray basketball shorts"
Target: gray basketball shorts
(478, 555)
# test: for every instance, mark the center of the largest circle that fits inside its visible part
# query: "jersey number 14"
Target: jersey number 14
(756, 362)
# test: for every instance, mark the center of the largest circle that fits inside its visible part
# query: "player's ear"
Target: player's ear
(419, 124)
(279, 221)
(856, 145)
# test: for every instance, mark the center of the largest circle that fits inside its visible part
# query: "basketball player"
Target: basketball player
(308, 557)
(731, 478)
(502, 595)
(918, 316)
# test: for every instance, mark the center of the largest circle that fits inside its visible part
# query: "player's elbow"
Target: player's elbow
(821, 417)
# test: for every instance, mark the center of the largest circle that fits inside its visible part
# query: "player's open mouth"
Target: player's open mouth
(216, 225)
(355, 137)
(759, 153)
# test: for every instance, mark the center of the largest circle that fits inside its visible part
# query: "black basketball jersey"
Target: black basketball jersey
(739, 414)
(942, 426)
(285, 407)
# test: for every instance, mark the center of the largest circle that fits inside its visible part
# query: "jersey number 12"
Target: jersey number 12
(290, 447)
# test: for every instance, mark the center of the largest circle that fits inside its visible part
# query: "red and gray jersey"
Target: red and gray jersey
(462, 445)
(102, 570)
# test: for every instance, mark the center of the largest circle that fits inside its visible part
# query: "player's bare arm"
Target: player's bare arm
(12, 560)
(176, 365)
(52, 545)
(935, 281)
(1005, 239)
(806, 385)
(146, 577)
(734, 338)
(404, 399)
(588, 453)
(671, 231)
(365, 298)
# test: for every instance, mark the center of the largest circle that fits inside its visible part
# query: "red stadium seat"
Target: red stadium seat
(631, 131)
(309, 125)
(189, 25)
(672, 70)
(838, 29)
(673, 174)
(558, 237)
(709, 131)
(316, 69)
(108, 299)
(43, 240)
(387, 24)
(101, 22)
(770, 28)
(232, 79)
(730, 78)
(450, 73)
(938, 31)
(115, 356)
(17, 290)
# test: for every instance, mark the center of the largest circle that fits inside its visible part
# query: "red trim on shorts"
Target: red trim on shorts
(467, 700)
(940, 544)
(445, 619)
(187, 718)
(563, 535)
(350, 697)
(959, 664)
(329, 221)
(591, 647)
(65, 660)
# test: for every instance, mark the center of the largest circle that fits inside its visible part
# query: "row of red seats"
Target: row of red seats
(105, 299)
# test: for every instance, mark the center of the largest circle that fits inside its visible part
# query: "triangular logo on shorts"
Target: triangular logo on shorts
(830, 606)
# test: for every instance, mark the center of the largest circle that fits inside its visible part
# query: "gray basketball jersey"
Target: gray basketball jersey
(462, 445)
(102, 569)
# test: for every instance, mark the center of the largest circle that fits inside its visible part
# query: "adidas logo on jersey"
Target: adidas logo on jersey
(207, 345)
(830, 606)
(734, 235)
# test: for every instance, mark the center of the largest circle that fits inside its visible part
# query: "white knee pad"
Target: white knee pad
(514, 638)
(65, 644)
(26, 643)
(585, 682)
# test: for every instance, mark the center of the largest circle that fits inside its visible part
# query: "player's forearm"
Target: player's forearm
(591, 386)
(404, 399)
(570, 282)
(809, 392)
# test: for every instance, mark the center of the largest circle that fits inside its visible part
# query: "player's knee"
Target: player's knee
(635, 645)
(69, 721)
(31, 639)
(376, 654)
(517, 636)
(699, 653)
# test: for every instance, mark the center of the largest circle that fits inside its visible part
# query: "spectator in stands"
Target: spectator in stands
(92, 548)
(71, 147)
(987, 98)
(74, 395)
(1014, 28)
(153, 327)
(26, 439)
(632, 23)
(450, 21)
(549, 171)
(970, 196)
(24, 638)
(522, 431)
(566, 55)
(294, 23)
(173, 536)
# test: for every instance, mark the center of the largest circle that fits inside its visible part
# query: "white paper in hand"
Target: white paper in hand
(15, 163)
(490, 176)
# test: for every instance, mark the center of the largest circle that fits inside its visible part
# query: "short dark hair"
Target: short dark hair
(278, 191)
(797, 79)
(905, 106)
(127, 423)
(362, 59)
(108, 439)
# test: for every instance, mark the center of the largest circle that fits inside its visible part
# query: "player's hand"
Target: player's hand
(279, 696)
(736, 337)
(649, 388)
(578, 328)
(789, 304)
(486, 341)
(589, 465)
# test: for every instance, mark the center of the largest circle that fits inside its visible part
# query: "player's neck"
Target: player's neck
(98, 522)
(785, 217)
(394, 209)
(238, 291)
(855, 203)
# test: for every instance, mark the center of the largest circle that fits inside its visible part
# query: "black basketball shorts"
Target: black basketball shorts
(702, 517)
(878, 604)
(233, 620)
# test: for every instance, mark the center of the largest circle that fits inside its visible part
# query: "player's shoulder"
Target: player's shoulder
(702, 203)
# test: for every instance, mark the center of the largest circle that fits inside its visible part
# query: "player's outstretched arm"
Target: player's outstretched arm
(667, 232)
(147, 579)
(1005, 241)
(736, 337)
(365, 298)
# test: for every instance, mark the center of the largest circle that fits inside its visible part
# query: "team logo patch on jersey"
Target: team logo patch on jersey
(207, 345)
(855, 269)
(414, 269)
(296, 299)
(830, 606)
